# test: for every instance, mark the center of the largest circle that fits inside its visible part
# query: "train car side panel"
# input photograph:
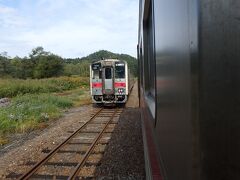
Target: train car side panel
(173, 84)
(194, 46)
(165, 58)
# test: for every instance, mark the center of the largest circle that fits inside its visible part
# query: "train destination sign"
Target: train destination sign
(96, 66)
(119, 64)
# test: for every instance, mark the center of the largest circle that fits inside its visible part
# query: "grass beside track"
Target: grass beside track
(14, 87)
(35, 102)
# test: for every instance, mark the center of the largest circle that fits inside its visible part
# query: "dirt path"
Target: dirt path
(133, 100)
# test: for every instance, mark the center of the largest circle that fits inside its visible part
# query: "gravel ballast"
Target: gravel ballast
(124, 156)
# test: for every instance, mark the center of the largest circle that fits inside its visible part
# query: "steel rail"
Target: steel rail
(28, 174)
(86, 155)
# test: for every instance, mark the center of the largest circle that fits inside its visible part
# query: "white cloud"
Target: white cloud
(9, 18)
(70, 28)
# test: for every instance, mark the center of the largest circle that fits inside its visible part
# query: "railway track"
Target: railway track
(77, 156)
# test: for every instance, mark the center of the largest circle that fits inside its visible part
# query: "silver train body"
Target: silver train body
(110, 81)
(189, 59)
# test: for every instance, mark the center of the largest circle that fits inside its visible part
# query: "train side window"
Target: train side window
(97, 74)
(149, 60)
(100, 74)
(96, 71)
(120, 71)
(141, 66)
(108, 73)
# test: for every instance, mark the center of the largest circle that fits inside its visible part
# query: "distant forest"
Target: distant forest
(44, 64)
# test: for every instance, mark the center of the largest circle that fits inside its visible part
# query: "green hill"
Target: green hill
(103, 54)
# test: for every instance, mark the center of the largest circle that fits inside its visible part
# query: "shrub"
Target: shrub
(14, 87)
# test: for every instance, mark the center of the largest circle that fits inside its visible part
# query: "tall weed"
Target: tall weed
(27, 111)
(14, 87)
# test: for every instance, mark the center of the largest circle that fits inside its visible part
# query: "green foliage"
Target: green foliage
(48, 66)
(81, 68)
(38, 51)
(5, 66)
(39, 64)
(22, 68)
(43, 64)
(26, 112)
(14, 87)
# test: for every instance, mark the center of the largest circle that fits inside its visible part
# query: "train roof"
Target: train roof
(109, 60)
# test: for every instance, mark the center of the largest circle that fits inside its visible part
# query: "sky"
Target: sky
(69, 28)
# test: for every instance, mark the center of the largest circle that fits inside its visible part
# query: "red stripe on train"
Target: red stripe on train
(96, 85)
(151, 146)
(120, 84)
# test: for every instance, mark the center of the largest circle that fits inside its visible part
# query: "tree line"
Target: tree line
(44, 64)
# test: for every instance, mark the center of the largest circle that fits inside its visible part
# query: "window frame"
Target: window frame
(149, 61)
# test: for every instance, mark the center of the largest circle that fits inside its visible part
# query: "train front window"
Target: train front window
(120, 71)
(97, 74)
(108, 73)
(96, 71)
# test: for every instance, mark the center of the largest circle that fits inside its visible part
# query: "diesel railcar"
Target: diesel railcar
(110, 81)
(189, 88)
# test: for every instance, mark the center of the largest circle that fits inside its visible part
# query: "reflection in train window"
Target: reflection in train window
(149, 62)
(119, 72)
(141, 63)
(108, 73)
(149, 54)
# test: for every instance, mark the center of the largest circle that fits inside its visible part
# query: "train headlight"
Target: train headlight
(120, 90)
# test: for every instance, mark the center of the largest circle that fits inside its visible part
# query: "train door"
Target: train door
(108, 80)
